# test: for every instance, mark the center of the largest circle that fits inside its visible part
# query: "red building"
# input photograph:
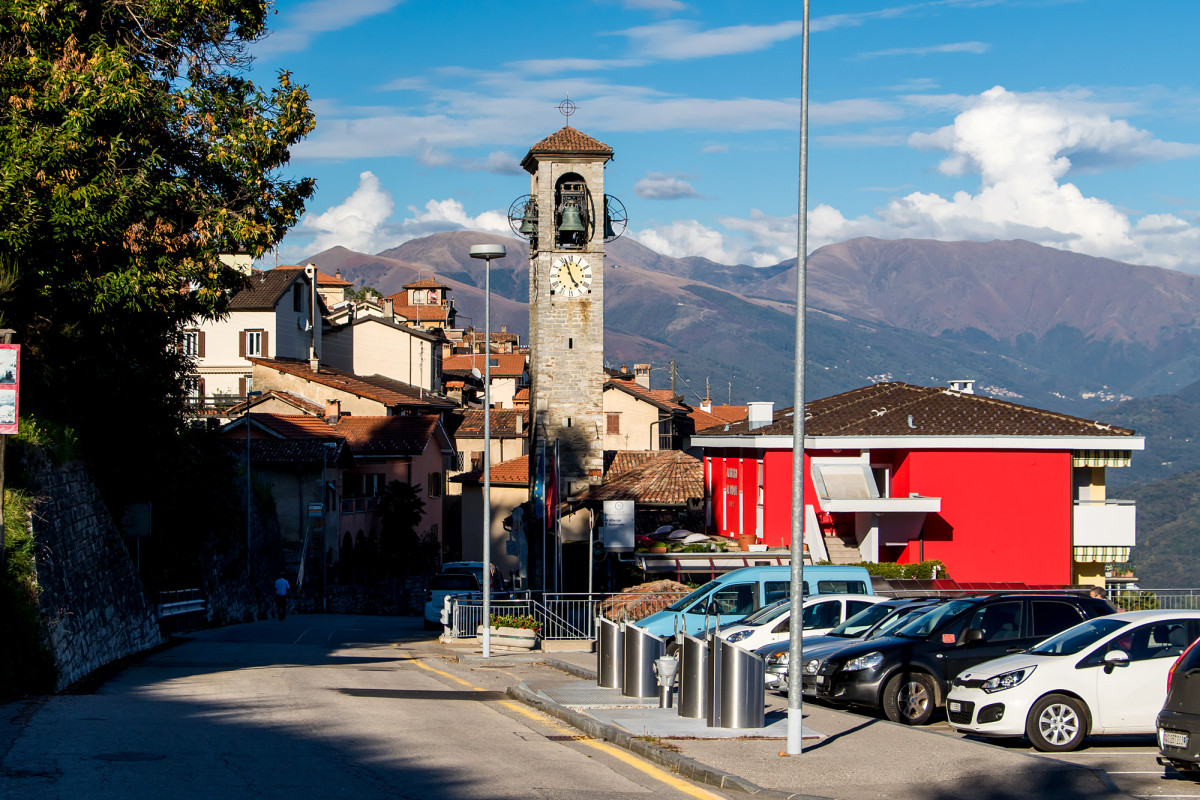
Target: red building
(894, 472)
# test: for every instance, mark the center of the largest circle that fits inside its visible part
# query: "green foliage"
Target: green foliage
(364, 293)
(133, 151)
(1168, 524)
(922, 570)
(1136, 601)
(525, 622)
(25, 662)
(59, 441)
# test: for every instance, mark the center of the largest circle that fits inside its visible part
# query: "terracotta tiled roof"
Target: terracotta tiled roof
(660, 398)
(397, 436)
(374, 387)
(426, 283)
(507, 423)
(655, 477)
(331, 280)
(301, 403)
(264, 288)
(901, 409)
(570, 140)
(701, 419)
(287, 451)
(504, 365)
(730, 413)
(295, 426)
(522, 394)
(514, 472)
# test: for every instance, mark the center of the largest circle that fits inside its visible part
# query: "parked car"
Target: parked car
(444, 585)
(476, 569)
(1106, 675)
(1178, 722)
(734, 595)
(908, 673)
(872, 622)
(821, 614)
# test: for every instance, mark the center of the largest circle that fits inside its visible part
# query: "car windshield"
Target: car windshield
(902, 618)
(925, 624)
(1082, 636)
(767, 613)
(680, 605)
(861, 621)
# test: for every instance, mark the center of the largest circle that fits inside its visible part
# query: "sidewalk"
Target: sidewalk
(854, 758)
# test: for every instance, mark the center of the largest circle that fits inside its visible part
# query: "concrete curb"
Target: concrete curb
(676, 763)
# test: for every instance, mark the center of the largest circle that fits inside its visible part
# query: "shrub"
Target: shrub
(516, 621)
(26, 664)
(922, 570)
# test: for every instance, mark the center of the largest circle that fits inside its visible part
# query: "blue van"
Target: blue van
(744, 591)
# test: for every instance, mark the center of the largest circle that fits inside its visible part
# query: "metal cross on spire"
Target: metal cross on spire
(567, 108)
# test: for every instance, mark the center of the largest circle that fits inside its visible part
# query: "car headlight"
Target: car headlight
(778, 658)
(868, 661)
(811, 666)
(737, 637)
(1007, 680)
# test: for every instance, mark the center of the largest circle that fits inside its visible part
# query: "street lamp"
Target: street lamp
(487, 252)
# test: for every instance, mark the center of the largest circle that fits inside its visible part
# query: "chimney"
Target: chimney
(504, 328)
(641, 375)
(966, 386)
(762, 413)
(389, 309)
(520, 423)
(333, 411)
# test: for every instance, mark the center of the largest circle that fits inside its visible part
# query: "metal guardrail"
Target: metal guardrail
(563, 615)
(180, 610)
(1149, 599)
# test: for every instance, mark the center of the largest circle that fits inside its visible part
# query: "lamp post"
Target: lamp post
(795, 713)
(487, 252)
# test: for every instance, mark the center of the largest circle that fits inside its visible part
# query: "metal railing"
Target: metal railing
(564, 616)
(1149, 599)
(180, 610)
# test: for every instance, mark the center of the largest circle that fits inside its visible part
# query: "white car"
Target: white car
(822, 613)
(441, 587)
(1106, 675)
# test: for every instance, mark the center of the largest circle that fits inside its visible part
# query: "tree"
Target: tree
(400, 512)
(133, 151)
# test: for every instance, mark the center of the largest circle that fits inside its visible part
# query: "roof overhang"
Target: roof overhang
(777, 442)
(883, 505)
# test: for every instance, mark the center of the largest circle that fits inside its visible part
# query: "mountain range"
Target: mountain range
(1028, 323)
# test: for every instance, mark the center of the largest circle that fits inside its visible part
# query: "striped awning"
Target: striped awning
(1101, 458)
(1104, 555)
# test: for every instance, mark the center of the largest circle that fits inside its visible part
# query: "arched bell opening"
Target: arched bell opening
(574, 218)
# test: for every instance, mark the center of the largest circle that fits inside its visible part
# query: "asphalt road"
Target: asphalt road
(316, 706)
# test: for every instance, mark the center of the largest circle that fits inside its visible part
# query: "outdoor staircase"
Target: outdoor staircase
(842, 550)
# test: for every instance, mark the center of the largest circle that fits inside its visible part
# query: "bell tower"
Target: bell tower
(567, 218)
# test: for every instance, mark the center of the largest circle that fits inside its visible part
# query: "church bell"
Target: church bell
(571, 221)
(529, 225)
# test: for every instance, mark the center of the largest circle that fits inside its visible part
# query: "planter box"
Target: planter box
(511, 638)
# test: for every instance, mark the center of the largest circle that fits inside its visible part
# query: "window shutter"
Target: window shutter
(242, 344)
(200, 345)
(200, 388)
(265, 352)
(242, 387)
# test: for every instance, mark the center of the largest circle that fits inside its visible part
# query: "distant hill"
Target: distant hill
(1168, 529)
(1171, 425)
(1031, 324)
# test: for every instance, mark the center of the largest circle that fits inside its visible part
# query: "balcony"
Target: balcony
(1105, 523)
(359, 505)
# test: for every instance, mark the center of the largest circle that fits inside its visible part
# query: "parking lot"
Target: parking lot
(1129, 760)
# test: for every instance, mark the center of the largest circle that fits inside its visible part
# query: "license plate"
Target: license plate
(820, 679)
(955, 706)
(1174, 739)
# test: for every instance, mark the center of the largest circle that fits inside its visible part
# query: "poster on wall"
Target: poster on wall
(10, 375)
(617, 532)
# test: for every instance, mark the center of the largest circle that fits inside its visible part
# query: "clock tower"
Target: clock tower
(567, 218)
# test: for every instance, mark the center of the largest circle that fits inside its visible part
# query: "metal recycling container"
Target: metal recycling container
(641, 649)
(737, 687)
(693, 677)
(610, 652)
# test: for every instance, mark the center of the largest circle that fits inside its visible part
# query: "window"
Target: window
(373, 484)
(1050, 617)
(841, 587)
(297, 297)
(737, 599)
(435, 484)
(614, 422)
(998, 621)
(192, 343)
(823, 615)
(252, 343)
(777, 590)
(476, 459)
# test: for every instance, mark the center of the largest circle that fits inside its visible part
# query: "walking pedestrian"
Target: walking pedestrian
(281, 592)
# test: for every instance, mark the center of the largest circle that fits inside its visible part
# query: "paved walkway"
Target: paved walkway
(855, 758)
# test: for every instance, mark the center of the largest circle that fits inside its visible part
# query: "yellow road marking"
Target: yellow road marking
(618, 753)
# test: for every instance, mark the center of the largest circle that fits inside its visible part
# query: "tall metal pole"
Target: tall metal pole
(795, 717)
(487, 252)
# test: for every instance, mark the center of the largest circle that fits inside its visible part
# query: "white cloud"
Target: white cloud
(937, 49)
(654, 5)
(357, 223)
(759, 241)
(678, 39)
(307, 20)
(658, 186)
(1022, 147)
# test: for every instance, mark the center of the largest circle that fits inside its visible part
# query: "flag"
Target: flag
(539, 482)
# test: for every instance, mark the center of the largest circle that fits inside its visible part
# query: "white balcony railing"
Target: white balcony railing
(1105, 523)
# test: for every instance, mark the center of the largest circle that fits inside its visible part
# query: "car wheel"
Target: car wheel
(1057, 723)
(910, 699)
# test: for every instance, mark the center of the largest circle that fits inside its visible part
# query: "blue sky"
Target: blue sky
(1072, 123)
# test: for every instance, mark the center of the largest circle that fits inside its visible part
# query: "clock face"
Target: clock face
(570, 276)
